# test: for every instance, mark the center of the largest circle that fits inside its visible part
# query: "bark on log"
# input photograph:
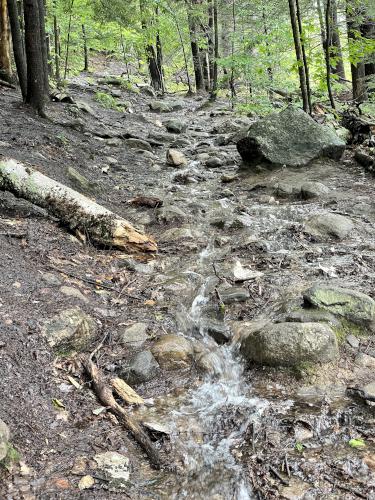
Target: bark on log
(73, 209)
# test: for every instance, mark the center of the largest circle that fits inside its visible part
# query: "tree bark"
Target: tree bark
(73, 209)
(43, 41)
(358, 69)
(56, 37)
(68, 40)
(304, 57)
(85, 50)
(298, 50)
(5, 60)
(151, 53)
(337, 68)
(197, 63)
(216, 51)
(328, 44)
(18, 46)
(34, 57)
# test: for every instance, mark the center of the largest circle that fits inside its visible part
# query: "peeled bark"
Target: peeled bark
(73, 209)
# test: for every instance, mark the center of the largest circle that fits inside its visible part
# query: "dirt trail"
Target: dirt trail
(242, 215)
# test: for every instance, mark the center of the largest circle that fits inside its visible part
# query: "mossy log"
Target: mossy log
(76, 211)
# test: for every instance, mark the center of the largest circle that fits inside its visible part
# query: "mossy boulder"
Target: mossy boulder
(290, 344)
(349, 304)
(4, 440)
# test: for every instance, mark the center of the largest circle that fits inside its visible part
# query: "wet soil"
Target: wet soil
(308, 407)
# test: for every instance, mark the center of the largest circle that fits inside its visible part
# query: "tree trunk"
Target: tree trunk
(85, 50)
(43, 41)
(335, 44)
(183, 50)
(210, 39)
(159, 60)
(56, 34)
(304, 57)
(34, 57)
(298, 49)
(18, 46)
(73, 209)
(357, 67)
(68, 40)
(5, 61)
(216, 51)
(151, 54)
(328, 44)
(197, 63)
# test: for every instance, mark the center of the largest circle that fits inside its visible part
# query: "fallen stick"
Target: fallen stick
(125, 392)
(72, 208)
(3, 83)
(105, 395)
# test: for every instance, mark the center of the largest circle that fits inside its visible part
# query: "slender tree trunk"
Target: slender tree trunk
(182, 48)
(56, 36)
(197, 64)
(18, 46)
(328, 44)
(210, 39)
(125, 57)
(231, 81)
(335, 43)
(357, 68)
(304, 57)
(265, 29)
(298, 49)
(159, 60)
(85, 50)
(151, 54)
(216, 51)
(68, 40)
(321, 23)
(34, 57)
(5, 60)
(43, 41)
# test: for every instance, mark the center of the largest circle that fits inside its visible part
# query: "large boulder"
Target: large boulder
(290, 344)
(290, 138)
(4, 439)
(349, 304)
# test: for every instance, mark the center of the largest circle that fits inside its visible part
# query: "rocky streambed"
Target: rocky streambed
(242, 336)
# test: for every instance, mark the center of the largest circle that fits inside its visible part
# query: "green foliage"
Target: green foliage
(11, 458)
(107, 101)
(357, 443)
(299, 447)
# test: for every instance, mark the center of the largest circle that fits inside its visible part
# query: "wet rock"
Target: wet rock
(235, 271)
(210, 361)
(217, 329)
(234, 294)
(313, 189)
(142, 368)
(70, 329)
(180, 142)
(287, 189)
(182, 233)
(135, 335)
(79, 181)
(227, 178)
(70, 291)
(231, 126)
(134, 143)
(173, 352)
(4, 439)
(290, 344)
(170, 213)
(365, 159)
(363, 360)
(159, 137)
(329, 225)
(159, 107)
(214, 162)
(114, 468)
(290, 138)
(175, 126)
(349, 304)
(176, 158)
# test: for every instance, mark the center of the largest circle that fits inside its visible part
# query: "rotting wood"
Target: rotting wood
(125, 392)
(73, 209)
(105, 396)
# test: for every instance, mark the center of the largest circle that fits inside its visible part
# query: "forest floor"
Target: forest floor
(229, 212)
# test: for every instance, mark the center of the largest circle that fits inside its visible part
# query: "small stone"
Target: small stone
(71, 328)
(134, 143)
(142, 368)
(135, 335)
(159, 107)
(4, 439)
(329, 225)
(313, 190)
(218, 330)
(176, 158)
(352, 341)
(113, 467)
(173, 352)
(51, 279)
(227, 178)
(175, 126)
(363, 360)
(70, 291)
(79, 181)
(157, 427)
(234, 294)
(86, 482)
(214, 162)
(369, 391)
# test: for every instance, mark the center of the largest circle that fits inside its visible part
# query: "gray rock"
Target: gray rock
(365, 159)
(234, 294)
(51, 279)
(4, 439)
(368, 391)
(176, 158)
(175, 126)
(313, 189)
(70, 329)
(79, 181)
(289, 344)
(135, 335)
(70, 291)
(218, 330)
(349, 304)
(287, 189)
(160, 107)
(363, 360)
(173, 352)
(311, 316)
(214, 162)
(353, 341)
(159, 137)
(170, 213)
(329, 225)
(142, 368)
(290, 138)
(114, 468)
(134, 143)
(180, 142)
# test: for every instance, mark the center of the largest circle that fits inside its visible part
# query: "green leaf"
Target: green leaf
(357, 443)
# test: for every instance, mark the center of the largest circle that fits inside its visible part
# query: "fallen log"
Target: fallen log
(73, 209)
(105, 395)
